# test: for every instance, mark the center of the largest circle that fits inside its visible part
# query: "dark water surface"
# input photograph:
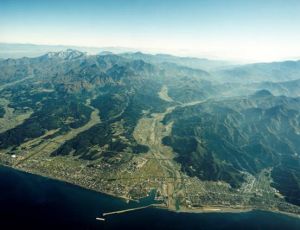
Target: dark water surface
(33, 202)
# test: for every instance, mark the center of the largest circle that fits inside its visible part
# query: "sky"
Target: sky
(258, 30)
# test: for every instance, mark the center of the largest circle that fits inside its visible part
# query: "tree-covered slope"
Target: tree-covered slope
(223, 139)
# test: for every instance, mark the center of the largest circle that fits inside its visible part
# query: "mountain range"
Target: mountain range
(199, 132)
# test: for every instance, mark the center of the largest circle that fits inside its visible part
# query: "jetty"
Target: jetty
(126, 210)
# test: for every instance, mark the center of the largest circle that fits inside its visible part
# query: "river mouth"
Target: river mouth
(35, 202)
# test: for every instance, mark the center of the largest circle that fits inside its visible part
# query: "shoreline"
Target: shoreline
(203, 210)
(216, 209)
(232, 210)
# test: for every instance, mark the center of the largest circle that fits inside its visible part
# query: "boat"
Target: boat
(101, 219)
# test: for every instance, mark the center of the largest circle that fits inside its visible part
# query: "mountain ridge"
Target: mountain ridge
(125, 126)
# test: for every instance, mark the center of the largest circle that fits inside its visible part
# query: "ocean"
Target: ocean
(33, 202)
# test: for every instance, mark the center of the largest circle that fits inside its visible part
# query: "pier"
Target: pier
(126, 210)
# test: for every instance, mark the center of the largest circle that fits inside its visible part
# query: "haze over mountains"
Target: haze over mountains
(229, 134)
(16, 50)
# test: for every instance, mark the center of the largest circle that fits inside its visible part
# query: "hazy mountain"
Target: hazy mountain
(12, 50)
(195, 63)
(287, 88)
(276, 72)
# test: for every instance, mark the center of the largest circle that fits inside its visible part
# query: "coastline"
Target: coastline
(233, 210)
(216, 209)
(203, 210)
(124, 199)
